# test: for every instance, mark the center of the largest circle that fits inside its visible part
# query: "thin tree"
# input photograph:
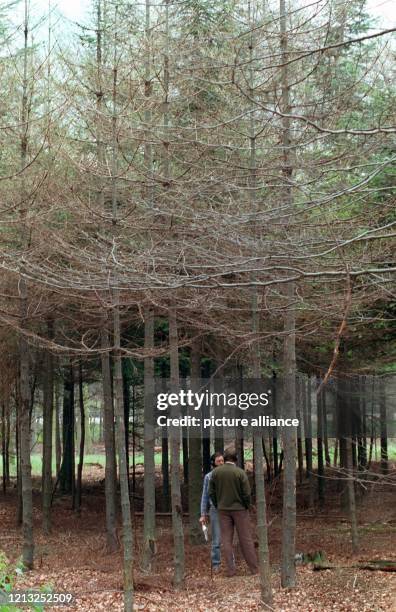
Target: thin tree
(288, 573)
(177, 511)
(149, 537)
(24, 349)
(48, 410)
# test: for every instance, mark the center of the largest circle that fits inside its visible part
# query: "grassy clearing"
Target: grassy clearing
(99, 458)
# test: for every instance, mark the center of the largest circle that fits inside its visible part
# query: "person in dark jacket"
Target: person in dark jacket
(229, 491)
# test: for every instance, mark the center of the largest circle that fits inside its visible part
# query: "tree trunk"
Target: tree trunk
(275, 454)
(18, 451)
(261, 505)
(3, 446)
(362, 440)
(58, 443)
(127, 406)
(177, 512)
(48, 409)
(300, 457)
(24, 348)
(66, 475)
(7, 445)
(149, 535)
(308, 439)
(82, 440)
(325, 435)
(351, 497)
(383, 428)
(127, 536)
(165, 473)
(320, 471)
(109, 442)
(195, 459)
(288, 572)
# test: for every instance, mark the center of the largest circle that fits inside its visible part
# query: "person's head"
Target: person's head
(217, 459)
(230, 455)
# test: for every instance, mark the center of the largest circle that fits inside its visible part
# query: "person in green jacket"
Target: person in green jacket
(229, 490)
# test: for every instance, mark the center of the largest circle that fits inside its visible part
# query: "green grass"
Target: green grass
(36, 459)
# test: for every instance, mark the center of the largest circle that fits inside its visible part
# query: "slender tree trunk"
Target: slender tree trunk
(112, 543)
(18, 452)
(48, 409)
(351, 497)
(300, 457)
(195, 459)
(149, 535)
(261, 504)
(24, 348)
(127, 533)
(127, 536)
(320, 471)
(185, 455)
(177, 511)
(7, 445)
(308, 440)
(58, 443)
(383, 428)
(66, 475)
(133, 440)
(219, 431)
(127, 407)
(325, 435)
(109, 442)
(274, 432)
(165, 473)
(82, 439)
(239, 442)
(3, 446)
(362, 439)
(288, 572)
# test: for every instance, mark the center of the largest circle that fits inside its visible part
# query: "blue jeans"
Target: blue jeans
(215, 532)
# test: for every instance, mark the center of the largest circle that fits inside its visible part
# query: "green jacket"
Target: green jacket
(229, 488)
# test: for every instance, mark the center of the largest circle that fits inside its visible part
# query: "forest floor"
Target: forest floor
(73, 559)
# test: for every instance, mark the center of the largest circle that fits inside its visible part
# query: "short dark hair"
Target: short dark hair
(214, 457)
(230, 455)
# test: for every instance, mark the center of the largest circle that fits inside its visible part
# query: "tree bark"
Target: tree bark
(308, 439)
(58, 443)
(109, 442)
(24, 348)
(82, 440)
(320, 470)
(127, 534)
(288, 572)
(149, 535)
(195, 459)
(67, 475)
(352, 500)
(177, 511)
(383, 428)
(261, 504)
(48, 409)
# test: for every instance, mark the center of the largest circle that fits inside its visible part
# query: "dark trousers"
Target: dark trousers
(241, 521)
